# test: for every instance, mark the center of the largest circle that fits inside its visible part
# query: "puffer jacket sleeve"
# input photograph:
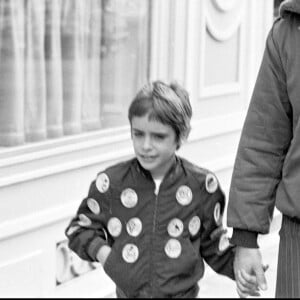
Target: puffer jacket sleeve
(86, 232)
(214, 246)
(264, 142)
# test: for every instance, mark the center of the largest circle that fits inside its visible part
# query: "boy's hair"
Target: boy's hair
(167, 104)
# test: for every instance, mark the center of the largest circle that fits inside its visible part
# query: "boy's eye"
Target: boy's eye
(137, 133)
(159, 136)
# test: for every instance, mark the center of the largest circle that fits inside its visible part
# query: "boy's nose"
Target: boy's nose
(147, 143)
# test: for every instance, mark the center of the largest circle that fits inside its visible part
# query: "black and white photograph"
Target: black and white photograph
(149, 149)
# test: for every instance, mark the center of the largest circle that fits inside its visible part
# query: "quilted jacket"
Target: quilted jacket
(267, 167)
(159, 241)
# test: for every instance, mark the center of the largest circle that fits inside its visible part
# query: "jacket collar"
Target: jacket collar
(289, 6)
(174, 169)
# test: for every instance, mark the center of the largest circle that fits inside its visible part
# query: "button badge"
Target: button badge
(93, 206)
(194, 225)
(217, 214)
(114, 226)
(173, 248)
(102, 182)
(224, 242)
(129, 198)
(211, 183)
(130, 253)
(84, 221)
(175, 227)
(184, 195)
(134, 227)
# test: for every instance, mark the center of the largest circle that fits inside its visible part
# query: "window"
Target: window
(68, 67)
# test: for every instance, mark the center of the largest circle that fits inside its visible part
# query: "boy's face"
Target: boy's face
(154, 145)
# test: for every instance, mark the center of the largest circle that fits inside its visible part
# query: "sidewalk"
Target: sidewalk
(216, 286)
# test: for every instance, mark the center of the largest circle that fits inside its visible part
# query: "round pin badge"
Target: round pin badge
(173, 248)
(114, 226)
(134, 227)
(130, 253)
(194, 225)
(175, 227)
(184, 195)
(217, 214)
(211, 183)
(102, 182)
(72, 229)
(105, 234)
(224, 242)
(84, 220)
(129, 198)
(93, 205)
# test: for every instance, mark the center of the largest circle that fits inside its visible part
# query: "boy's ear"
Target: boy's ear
(179, 143)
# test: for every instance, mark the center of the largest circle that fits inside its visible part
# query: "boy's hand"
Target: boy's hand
(249, 272)
(103, 253)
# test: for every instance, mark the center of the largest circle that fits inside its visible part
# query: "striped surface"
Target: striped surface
(288, 273)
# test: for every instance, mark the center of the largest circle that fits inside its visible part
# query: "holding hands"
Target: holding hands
(249, 272)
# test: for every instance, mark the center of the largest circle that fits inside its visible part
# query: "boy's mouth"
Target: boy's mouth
(148, 158)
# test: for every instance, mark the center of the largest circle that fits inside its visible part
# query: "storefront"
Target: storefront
(68, 71)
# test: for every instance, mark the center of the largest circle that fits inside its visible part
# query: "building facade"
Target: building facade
(68, 72)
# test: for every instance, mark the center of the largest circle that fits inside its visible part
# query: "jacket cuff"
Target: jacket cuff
(94, 247)
(244, 238)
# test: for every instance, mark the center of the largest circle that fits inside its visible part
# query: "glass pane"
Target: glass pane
(124, 56)
(69, 66)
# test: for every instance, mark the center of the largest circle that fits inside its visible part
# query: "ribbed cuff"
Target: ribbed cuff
(244, 238)
(94, 247)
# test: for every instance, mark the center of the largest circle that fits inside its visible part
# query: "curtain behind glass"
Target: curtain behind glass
(124, 56)
(11, 73)
(69, 66)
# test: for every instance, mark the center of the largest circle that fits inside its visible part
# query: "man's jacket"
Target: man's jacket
(267, 166)
(159, 241)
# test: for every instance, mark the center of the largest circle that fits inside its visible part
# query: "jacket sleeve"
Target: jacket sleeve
(263, 145)
(86, 232)
(214, 244)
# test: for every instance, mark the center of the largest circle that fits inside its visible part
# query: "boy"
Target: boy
(153, 220)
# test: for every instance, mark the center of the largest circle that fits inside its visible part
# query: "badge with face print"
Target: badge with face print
(194, 225)
(224, 242)
(175, 227)
(217, 214)
(130, 253)
(211, 183)
(84, 220)
(134, 227)
(173, 248)
(102, 182)
(93, 206)
(184, 195)
(114, 226)
(129, 198)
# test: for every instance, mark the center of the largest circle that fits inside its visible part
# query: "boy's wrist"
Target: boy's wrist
(103, 253)
(244, 238)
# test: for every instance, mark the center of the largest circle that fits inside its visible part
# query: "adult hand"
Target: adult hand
(249, 272)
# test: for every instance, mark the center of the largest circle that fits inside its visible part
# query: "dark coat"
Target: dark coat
(267, 166)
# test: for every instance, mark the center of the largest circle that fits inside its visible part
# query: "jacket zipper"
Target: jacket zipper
(153, 234)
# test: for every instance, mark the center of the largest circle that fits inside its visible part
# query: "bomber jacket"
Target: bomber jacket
(267, 167)
(159, 241)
